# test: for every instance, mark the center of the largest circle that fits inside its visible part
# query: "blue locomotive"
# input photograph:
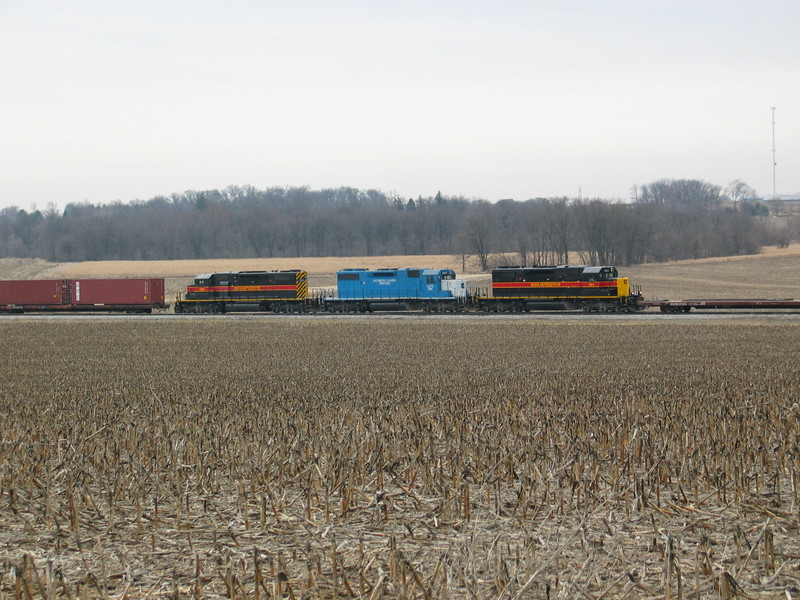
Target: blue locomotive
(431, 290)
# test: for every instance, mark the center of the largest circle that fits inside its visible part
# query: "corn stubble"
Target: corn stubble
(311, 458)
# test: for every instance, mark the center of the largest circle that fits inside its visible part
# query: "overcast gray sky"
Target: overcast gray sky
(112, 100)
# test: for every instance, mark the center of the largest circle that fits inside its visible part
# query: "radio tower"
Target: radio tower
(774, 162)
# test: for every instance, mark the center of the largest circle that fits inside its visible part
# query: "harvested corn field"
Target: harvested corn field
(305, 458)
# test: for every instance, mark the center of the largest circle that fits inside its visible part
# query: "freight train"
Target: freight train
(513, 289)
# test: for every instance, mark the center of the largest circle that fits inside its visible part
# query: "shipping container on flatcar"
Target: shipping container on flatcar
(82, 295)
(35, 292)
(41, 293)
(118, 294)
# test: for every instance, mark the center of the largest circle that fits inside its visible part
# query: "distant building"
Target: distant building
(782, 205)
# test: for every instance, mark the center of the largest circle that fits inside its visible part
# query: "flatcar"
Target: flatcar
(267, 291)
(562, 287)
(364, 290)
(134, 295)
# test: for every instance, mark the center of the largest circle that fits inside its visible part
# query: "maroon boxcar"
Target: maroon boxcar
(65, 295)
(44, 292)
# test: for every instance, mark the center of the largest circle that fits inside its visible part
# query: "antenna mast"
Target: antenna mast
(774, 162)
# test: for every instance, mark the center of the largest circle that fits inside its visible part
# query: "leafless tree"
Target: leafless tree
(478, 234)
(681, 192)
(737, 191)
(784, 233)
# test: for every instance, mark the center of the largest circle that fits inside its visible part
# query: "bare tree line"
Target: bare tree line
(667, 220)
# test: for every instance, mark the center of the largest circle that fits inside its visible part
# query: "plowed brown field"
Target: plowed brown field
(323, 458)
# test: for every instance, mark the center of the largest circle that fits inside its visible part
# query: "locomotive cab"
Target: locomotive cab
(456, 288)
(202, 287)
(600, 273)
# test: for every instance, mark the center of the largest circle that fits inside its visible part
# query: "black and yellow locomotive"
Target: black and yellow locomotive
(268, 291)
(565, 287)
